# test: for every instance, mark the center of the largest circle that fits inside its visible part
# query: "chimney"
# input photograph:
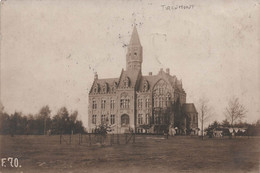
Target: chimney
(150, 73)
(161, 70)
(96, 76)
(168, 71)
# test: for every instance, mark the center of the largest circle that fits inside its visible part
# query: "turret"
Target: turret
(134, 56)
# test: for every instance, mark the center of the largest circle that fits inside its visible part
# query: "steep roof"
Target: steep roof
(153, 79)
(109, 81)
(132, 75)
(101, 82)
(134, 38)
(189, 108)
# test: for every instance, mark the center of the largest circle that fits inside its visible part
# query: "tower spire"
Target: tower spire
(134, 56)
(135, 37)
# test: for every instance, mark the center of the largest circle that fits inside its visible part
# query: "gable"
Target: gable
(129, 77)
(153, 80)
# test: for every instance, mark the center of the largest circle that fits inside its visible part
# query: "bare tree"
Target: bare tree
(234, 111)
(44, 115)
(1, 108)
(205, 112)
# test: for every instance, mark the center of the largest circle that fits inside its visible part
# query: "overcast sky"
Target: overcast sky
(51, 49)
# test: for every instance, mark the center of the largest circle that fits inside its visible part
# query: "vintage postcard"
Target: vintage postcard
(129, 86)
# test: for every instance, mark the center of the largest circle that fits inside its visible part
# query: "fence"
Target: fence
(92, 139)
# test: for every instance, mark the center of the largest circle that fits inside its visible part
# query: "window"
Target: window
(157, 119)
(103, 104)
(155, 102)
(96, 87)
(103, 119)
(114, 87)
(147, 103)
(139, 130)
(167, 103)
(160, 90)
(145, 87)
(94, 119)
(124, 103)
(112, 119)
(112, 104)
(160, 102)
(140, 103)
(94, 104)
(126, 82)
(127, 103)
(140, 119)
(124, 120)
(147, 119)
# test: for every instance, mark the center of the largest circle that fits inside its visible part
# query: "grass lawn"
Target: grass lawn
(148, 154)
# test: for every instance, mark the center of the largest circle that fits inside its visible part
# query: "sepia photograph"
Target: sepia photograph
(118, 86)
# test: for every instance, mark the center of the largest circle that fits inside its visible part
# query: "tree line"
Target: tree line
(41, 123)
(252, 129)
(234, 112)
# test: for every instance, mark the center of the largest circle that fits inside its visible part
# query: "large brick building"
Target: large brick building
(141, 103)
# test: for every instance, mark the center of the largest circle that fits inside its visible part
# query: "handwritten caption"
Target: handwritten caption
(10, 162)
(177, 7)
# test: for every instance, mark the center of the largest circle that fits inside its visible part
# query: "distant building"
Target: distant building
(141, 103)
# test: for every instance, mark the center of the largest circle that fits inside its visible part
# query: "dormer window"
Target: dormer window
(113, 89)
(126, 82)
(104, 88)
(96, 88)
(146, 85)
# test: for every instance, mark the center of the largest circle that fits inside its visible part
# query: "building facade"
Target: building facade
(140, 103)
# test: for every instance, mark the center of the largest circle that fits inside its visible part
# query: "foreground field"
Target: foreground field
(148, 154)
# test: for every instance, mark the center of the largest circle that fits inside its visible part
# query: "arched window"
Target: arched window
(161, 94)
(124, 120)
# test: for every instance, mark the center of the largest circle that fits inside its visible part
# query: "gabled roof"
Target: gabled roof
(153, 79)
(132, 75)
(189, 108)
